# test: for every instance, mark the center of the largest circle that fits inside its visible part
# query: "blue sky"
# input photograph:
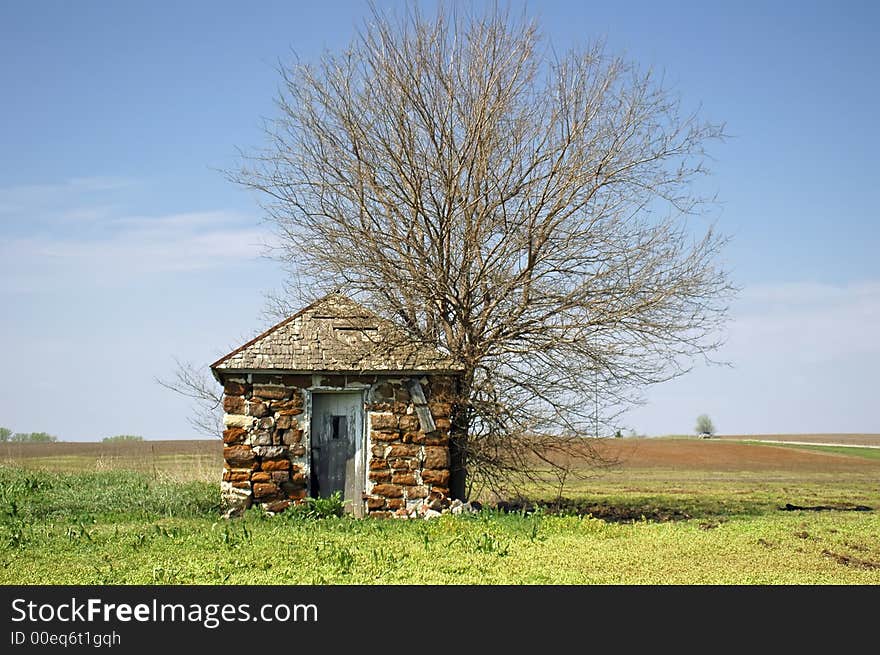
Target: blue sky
(123, 246)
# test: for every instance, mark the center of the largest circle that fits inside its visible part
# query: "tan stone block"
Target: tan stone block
(234, 435)
(270, 452)
(240, 475)
(260, 476)
(436, 457)
(292, 407)
(442, 423)
(257, 409)
(432, 439)
(403, 478)
(237, 421)
(384, 436)
(404, 450)
(388, 490)
(380, 476)
(237, 475)
(280, 476)
(261, 438)
(285, 422)
(409, 423)
(417, 492)
(394, 503)
(271, 392)
(239, 456)
(233, 404)
(375, 503)
(291, 437)
(275, 465)
(384, 422)
(440, 409)
(413, 437)
(231, 388)
(266, 491)
(436, 477)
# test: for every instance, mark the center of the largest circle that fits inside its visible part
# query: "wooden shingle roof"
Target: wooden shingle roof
(335, 334)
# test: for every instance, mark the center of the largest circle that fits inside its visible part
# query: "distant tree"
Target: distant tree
(5, 433)
(122, 437)
(705, 426)
(33, 437)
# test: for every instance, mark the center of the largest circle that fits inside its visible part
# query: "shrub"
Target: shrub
(318, 508)
(704, 426)
(122, 437)
(33, 437)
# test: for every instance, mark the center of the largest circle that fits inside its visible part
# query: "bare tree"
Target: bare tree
(196, 383)
(526, 212)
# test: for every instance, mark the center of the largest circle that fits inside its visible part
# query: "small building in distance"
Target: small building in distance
(337, 399)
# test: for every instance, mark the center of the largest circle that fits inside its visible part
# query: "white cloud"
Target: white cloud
(169, 244)
(809, 293)
(30, 200)
(806, 321)
(80, 232)
(803, 357)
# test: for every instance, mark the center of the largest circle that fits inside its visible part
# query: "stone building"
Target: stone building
(334, 398)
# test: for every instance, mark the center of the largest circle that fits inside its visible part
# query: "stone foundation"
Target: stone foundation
(266, 440)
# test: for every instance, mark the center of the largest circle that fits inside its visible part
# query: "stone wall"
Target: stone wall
(408, 468)
(266, 441)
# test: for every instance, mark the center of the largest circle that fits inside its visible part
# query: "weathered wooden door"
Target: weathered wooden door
(337, 447)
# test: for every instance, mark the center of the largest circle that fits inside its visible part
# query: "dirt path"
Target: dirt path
(829, 439)
(815, 443)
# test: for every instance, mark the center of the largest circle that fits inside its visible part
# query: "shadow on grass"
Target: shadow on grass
(630, 509)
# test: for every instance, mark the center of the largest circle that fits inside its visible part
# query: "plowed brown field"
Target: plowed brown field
(203, 459)
(717, 455)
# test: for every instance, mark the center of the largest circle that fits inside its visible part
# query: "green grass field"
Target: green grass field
(849, 451)
(177, 460)
(668, 526)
